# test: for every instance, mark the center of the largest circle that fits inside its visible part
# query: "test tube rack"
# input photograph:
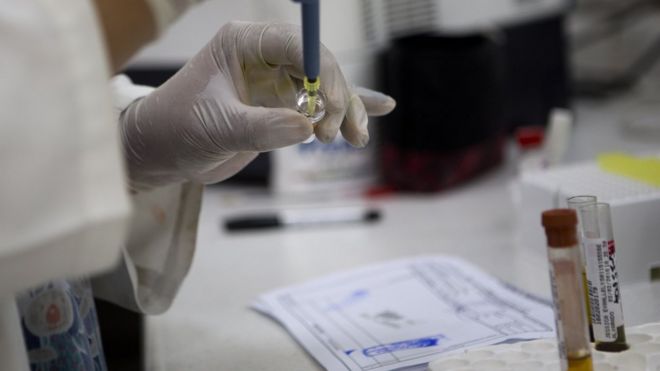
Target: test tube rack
(635, 210)
(542, 355)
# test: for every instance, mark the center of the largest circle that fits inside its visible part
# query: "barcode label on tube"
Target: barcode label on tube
(604, 294)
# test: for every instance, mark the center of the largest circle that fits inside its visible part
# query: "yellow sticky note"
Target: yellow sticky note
(642, 169)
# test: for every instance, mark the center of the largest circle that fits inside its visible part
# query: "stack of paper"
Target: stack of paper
(405, 313)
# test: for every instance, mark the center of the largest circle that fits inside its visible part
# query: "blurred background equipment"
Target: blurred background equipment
(633, 204)
(614, 44)
(464, 75)
(450, 122)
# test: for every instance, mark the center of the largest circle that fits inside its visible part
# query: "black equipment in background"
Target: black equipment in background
(458, 97)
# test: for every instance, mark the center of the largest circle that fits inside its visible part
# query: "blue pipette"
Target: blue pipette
(310, 17)
(311, 37)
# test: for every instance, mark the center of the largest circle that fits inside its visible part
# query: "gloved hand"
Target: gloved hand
(235, 98)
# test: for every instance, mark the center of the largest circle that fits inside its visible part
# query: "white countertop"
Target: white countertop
(210, 326)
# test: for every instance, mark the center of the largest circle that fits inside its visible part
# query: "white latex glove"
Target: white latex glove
(234, 99)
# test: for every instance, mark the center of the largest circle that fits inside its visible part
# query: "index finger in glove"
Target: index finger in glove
(261, 129)
(375, 102)
(364, 102)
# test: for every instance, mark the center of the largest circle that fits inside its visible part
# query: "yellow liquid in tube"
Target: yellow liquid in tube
(580, 364)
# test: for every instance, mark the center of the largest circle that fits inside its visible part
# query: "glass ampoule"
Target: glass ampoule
(310, 100)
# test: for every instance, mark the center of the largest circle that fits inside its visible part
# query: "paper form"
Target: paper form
(405, 313)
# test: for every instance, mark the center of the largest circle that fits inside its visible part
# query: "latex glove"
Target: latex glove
(233, 100)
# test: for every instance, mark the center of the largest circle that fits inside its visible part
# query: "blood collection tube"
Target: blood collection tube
(567, 292)
(575, 203)
(605, 295)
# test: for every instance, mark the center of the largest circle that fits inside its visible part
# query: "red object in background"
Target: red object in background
(430, 171)
(379, 191)
(529, 137)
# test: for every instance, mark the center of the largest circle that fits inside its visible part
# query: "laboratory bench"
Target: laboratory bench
(211, 326)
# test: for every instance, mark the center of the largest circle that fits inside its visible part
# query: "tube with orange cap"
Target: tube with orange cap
(567, 289)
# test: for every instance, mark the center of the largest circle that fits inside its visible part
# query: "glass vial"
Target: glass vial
(575, 203)
(567, 290)
(607, 311)
(310, 100)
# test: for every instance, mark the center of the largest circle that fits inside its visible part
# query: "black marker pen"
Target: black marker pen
(302, 218)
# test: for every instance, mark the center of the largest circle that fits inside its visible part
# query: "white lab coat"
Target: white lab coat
(64, 206)
(161, 239)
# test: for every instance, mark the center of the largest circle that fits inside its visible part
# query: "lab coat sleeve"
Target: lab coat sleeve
(63, 200)
(161, 240)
